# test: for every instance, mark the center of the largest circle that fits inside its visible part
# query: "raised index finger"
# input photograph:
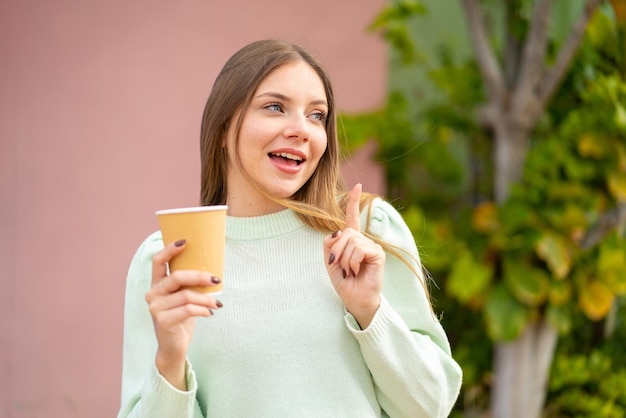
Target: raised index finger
(353, 212)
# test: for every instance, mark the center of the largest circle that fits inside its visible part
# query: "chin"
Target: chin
(284, 192)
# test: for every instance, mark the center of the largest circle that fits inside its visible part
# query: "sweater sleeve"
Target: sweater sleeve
(145, 393)
(405, 346)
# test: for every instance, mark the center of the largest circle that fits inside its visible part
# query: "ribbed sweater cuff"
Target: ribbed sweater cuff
(167, 401)
(378, 328)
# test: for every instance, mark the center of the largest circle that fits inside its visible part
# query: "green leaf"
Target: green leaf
(553, 250)
(601, 28)
(559, 318)
(611, 266)
(392, 22)
(612, 259)
(620, 116)
(615, 281)
(516, 215)
(560, 292)
(620, 152)
(506, 318)
(567, 190)
(400, 11)
(468, 278)
(617, 186)
(528, 285)
(398, 36)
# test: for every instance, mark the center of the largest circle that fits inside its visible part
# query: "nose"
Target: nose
(298, 128)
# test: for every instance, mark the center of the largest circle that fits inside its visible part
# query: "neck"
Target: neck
(245, 200)
(242, 207)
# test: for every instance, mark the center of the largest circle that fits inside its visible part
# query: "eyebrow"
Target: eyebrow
(284, 98)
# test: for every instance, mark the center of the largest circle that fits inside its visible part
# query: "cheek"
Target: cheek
(319, 146)
(255, 136)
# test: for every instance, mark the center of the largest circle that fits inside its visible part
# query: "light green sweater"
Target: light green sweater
(283, 345)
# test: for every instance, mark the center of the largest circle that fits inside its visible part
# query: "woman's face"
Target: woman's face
(281, 141)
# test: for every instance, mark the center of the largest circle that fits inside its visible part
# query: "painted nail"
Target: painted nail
(334, 235)
(180, 243)
(215, 280)
(343, 272)
(218, 304)
(211, 311)
(331, 258)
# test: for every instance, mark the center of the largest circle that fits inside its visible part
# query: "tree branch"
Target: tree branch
(512, 49)
(487, 63)
(607, 223)
(553, 76)
(533, 57)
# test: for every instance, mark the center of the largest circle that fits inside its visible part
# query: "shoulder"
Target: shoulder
(139, 276)
(381, 219)
(146, 250)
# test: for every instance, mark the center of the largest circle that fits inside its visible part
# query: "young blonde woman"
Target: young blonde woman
(326, 312)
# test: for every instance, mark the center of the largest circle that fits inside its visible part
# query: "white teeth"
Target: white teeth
(287, 155)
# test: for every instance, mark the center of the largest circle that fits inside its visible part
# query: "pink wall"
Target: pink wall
(100, 105)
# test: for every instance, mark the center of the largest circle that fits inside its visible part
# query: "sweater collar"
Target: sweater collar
(264, 226)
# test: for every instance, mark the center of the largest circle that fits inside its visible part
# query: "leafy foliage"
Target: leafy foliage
(589, 377)
(574, 173)
(505, 266)
(391, 21)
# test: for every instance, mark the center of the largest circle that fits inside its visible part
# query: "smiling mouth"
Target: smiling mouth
(286, 157)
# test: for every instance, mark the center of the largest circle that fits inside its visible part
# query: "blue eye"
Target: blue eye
(321, 116)
(274, 107)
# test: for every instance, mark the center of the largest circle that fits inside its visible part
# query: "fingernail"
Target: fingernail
(334, 235)
(344, 273)
(219, 304)
(211, 311)
(331, 258)
(180, 243)
(215, 280)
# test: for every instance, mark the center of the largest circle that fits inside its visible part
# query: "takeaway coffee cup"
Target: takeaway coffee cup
(204, 229)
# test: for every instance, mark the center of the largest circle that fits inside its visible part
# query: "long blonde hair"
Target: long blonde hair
(322, 200)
